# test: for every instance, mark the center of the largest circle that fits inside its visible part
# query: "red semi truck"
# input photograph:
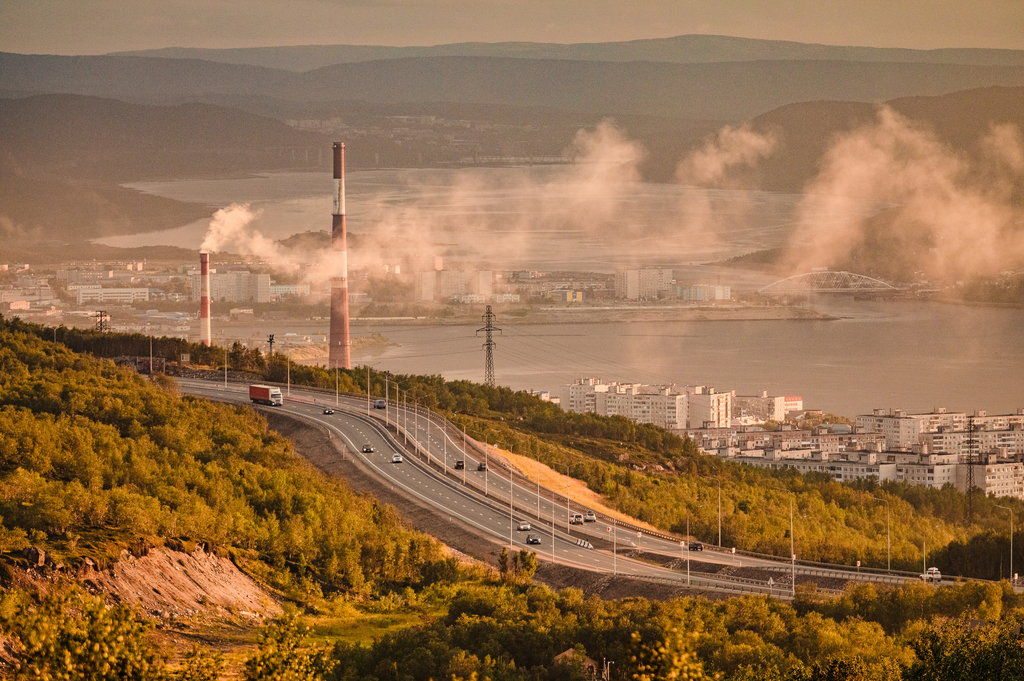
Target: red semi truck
(264, 394)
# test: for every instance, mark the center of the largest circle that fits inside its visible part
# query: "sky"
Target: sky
(101, 26)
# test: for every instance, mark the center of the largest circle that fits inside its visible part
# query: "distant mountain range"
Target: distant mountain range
(684, 49)
(721, 91)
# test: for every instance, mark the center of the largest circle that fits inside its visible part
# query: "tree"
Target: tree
(503, 563)
(279, 659)
(72, 636)
(965, 650)
(671, 660)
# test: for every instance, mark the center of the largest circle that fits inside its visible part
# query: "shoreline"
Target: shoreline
(590, 315)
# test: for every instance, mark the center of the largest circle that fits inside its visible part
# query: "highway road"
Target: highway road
(430, 447)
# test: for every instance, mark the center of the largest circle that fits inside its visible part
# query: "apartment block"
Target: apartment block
(643, 284)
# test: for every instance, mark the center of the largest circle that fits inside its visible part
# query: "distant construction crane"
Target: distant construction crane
(489, 329)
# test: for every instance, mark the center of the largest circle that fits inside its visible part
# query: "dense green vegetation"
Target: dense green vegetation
(833, 522)
(86, 448)
(94, 458)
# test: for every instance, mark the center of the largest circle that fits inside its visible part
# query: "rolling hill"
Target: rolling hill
(683, 49)
(722, 91)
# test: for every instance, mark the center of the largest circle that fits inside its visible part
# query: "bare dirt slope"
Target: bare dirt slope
(168, 583)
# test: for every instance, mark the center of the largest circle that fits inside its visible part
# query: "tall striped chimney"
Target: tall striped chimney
(340, 355)
(204, 299)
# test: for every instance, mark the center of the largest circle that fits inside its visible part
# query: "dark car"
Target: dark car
(482, 466)
(532, 539)
(368, 449)
(460, 464)
(328, 410)
(696, 546)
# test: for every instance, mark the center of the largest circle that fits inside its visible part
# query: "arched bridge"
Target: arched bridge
(827, 281)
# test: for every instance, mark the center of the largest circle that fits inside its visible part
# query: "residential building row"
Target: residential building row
(667, 406)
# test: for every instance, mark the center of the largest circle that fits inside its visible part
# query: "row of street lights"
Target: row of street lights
(793, 555)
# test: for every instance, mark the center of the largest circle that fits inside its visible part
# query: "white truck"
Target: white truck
(265, 394)
(932, 574)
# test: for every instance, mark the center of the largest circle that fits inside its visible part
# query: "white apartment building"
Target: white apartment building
(900, 429)
(856, 466)
(762, 407)
(91, 294)
(943, 431)
(234, 287)
(288, 290)
(659, 405)
(452, 284)
(707, 408)
(1000, 477)
(642, 284)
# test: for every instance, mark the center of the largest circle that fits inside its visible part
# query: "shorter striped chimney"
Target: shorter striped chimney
(204, 299)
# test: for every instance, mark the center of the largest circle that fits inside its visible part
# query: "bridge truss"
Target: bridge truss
(827, 281)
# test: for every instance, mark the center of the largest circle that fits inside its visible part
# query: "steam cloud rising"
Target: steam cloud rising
(950, 215)
(591, 202)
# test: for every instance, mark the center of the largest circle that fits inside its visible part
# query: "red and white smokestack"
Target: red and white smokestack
(204, 299)
(340, 354)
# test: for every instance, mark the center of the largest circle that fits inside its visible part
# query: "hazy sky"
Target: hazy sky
(99, 26)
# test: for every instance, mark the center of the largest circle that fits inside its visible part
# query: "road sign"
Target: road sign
(771, 582)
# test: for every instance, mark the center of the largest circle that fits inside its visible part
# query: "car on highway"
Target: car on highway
(576, 518)
(482, 466)
(590, 517)
(396, 458)
(328, 410)
(460, 464)
(532, 539)
(524, 526)
(932, 575)
(380, 404)
(368, 449)
(696, 546)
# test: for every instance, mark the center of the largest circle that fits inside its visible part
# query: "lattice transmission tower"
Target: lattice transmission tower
(489, 329)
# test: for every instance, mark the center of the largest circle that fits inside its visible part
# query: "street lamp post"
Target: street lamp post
(687, 549)
(792, 537)
(715, 477)
(888, 536)
(792, 549)
(1012, 580)
(568, 531)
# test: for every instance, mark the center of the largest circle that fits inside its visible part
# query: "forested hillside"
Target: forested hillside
(659, 477)
(95, 459)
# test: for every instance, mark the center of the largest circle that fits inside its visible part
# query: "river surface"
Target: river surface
(909, 355)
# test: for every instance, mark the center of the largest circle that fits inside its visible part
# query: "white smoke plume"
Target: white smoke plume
(556, 212)
(953, 214)
(723, 163)
(731, 150)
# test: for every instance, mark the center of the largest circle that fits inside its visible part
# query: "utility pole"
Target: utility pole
(489, 329)
(103, 320)
(270, 342)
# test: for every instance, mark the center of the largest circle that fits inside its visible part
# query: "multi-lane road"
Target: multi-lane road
(477, 494)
